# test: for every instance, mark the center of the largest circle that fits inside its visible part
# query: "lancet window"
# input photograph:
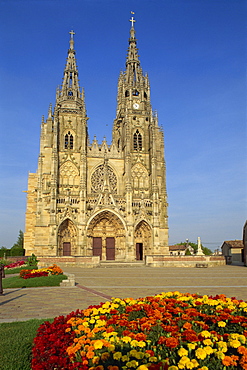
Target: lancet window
(137, 141)
(68, 141)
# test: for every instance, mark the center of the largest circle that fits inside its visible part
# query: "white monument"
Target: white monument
(199, 247)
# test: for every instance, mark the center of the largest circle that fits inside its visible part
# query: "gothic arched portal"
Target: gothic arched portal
(106, 236)
(142, 239)
(67, 236)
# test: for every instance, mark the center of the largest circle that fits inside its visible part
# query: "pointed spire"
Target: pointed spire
(70, 89)
(133, 69)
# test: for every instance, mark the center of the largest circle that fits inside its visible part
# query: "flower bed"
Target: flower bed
(168, 331)
(52, 270)
(15, 264)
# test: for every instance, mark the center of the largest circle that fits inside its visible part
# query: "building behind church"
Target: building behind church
(90, 199)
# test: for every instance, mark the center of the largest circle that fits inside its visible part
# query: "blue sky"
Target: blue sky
(194, 52)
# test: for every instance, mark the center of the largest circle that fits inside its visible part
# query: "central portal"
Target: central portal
(106, 237)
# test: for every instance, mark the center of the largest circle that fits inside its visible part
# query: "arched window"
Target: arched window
(71, 142)
(127, 93)
(135, 93)
(68, 141)
(137, 140)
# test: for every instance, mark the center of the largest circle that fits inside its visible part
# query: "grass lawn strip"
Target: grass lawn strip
(16, 270)
(17, 282)
(16, 340)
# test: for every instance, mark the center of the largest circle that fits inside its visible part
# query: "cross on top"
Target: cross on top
(132, 20)
(72, 33)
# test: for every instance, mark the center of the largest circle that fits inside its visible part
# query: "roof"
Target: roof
(177, 247)
(234, 243)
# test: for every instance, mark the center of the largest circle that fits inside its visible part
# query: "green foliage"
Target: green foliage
(17, 282)
(4, 252)
(16, 340)
(206, 250)
(32, 260)
(187, 252)
(20, 241)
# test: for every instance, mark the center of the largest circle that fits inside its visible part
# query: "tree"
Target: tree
(17, 249)
(20, 241)
(205, 250)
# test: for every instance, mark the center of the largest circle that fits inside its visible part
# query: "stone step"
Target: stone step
(122, 264)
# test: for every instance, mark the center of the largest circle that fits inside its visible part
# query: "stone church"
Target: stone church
(91, 199)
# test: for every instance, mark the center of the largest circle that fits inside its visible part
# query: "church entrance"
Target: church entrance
(106, 235)
(97, 247)
(142, 238)
(67, 237)
(66, 249)
(139, 251)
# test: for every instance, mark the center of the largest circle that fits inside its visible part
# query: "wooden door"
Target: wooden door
(97, 247)
(66, 249)
(110, 248)
(139, 251)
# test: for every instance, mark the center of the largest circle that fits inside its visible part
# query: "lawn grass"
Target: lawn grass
(16, 270)
(16, 340)
(17, 282)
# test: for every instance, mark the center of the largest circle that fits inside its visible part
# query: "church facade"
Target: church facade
(91, 199)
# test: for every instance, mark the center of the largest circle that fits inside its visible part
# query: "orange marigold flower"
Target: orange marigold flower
(227, 361)
(187, 325)
(242, 350)
(171, 342)
(90, 354)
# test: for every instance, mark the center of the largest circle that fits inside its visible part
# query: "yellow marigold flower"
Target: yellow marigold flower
(190, 365)
(111, 348)
(243, 304)
(208, 350)
(205, 334)
(219, 307)
(134, 343)
(92, 321)
(220, 355)
(201, 353)
(222, 346)
(234, 336)
(234, 343)
(207, 342)
(141, 344)
(221, 324)
(182, 352)
(195, 363)
(98, 344)
(152, 359)
(96, 359)
(242, 339)
(144, 367)
(172, 367)
(133, 352)
(132, 363)
(125, 358)
(192, 345)
(183, 361)
(126, 339)
(203, 368)
(117, 355)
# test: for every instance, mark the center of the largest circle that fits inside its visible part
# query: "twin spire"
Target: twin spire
(70, 89)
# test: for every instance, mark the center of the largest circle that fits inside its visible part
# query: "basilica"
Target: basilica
(90, 199)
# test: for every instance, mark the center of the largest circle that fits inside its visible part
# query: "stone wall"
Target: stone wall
(184, 261)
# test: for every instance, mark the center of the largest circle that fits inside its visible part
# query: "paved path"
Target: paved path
(95, 285)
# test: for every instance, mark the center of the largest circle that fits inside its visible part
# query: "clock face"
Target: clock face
(135, 105)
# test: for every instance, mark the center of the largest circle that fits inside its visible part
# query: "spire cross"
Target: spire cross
(132, 21)
(72, 33)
